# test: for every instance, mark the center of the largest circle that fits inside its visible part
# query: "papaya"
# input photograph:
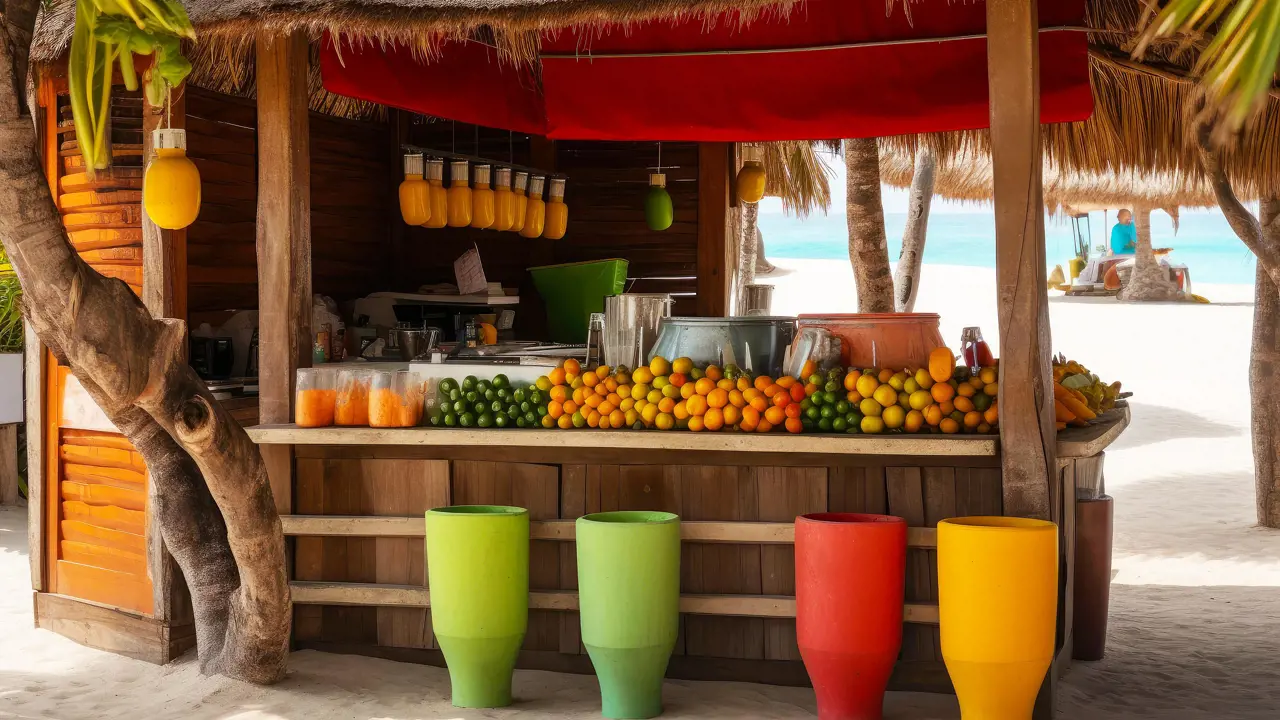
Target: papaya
(1061, 413)
(942, 364)
(1073, 406)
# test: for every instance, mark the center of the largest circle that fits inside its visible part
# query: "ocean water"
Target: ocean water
(1204, 242)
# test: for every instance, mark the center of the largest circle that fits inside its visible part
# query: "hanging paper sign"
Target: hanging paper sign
(469, 273)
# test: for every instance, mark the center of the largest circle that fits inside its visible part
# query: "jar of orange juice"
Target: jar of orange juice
(352, 405)
(316, 397)
(395, 399)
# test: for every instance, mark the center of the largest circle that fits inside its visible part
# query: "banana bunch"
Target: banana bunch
(1074, 376)
(111, 32)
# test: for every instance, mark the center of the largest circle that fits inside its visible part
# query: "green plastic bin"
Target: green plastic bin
(573, 291)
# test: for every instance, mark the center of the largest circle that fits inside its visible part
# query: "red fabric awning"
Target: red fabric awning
(816, 93)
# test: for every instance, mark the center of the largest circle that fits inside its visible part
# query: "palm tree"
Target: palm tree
(1149, 280)
(906, 278)
(868, 248)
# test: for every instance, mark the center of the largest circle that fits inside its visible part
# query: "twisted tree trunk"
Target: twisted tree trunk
(906, 278)
(208, 484)
(1263, 239)
(747, 253)
(1149, 280)
(868, 248)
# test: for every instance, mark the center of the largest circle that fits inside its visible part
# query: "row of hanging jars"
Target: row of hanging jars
(497, 205)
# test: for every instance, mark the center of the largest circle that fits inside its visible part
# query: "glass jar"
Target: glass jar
(521, 201)
(975, 351)
(315, 397)
(557, 212)
(352, 405)
(437, 194)
(395, 399)
(535, 216)
(415, 202)
(459, 195)
(482, 203)
(504, 201)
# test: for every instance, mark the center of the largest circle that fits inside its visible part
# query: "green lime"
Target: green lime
(542, 410)
(496, 406)
(513, 411)
(483, 385)
(436, 420)
(490, 395)
(455, 394)
(853, 430)
(531, 419)
(472, 396)
(526, 406)
(981, 402)
(816, 379)
(469, 382)
(451, 420)
(459, 406)
(518, 394)
(842, 407)
(537, 398)
(825, 425)
(829, 397)
(480, 407)
(467, 420)
(805, 404)
(697, 373)
(831, 386)
(854, 418)
(839, 424)
(520, 422)
(808, 424)
(828, 412)
(813, 413)
(446, 384)
(485, 420)
(501, 420)
(501, 381)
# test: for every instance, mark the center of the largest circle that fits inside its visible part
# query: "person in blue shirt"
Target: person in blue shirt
(1124, 236)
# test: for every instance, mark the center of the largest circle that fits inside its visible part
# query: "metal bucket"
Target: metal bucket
(631, 323)
(757, 299)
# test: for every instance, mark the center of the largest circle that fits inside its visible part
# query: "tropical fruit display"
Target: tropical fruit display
(495, 403)
(1078, 395)
(938, 398)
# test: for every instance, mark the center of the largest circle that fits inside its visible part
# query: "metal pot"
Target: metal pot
(757, 344)
(415, 344)
(631, 323)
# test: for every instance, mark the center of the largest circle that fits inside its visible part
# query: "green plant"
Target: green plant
(11, 332)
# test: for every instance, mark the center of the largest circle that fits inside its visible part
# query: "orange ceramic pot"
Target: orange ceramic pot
(887, 340)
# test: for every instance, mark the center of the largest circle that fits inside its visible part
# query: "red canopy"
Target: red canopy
(806, 87)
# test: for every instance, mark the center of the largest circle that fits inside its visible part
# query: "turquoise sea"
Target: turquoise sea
(1205, 243)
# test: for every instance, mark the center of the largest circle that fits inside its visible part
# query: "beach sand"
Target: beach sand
(1195, 599)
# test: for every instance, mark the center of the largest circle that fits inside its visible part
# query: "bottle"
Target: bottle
(439, 197)
(504, 201)
(535, 216)
(459, 195)
(557, 212)
(415, 202)
(482, 202)
(658, 212)
(471, 333)
(975, 351)
(521, 201)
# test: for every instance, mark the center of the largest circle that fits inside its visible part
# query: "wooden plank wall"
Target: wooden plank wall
(340, 481)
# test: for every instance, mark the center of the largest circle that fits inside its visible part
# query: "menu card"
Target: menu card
(469, 273)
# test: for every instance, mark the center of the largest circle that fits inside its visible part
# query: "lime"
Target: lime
(518, 394)
(501, 381)
(839, 424)
(829, 397)
(531, 419)
(831, 386)
(813, 413)
(451, 419)
(485, 420)
(521, 422)
(854, 418)
(537, 398)
(459, 406)
(542, 411)
(805, 404)
(448, 384)
(828, 411)
(816, 379)
(825, 425)
(480, 407)
(469, 382)
(467, 420)
(490, 394)
(483, 385)
(981, 402)
(817, 398)
(513, 411)
(842, 407)
(496, 406)
(454, 394)
(500, 420)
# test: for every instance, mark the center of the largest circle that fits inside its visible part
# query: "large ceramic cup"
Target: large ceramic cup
(478, 569)
(998, 603)
(850, 572)
(629, 599)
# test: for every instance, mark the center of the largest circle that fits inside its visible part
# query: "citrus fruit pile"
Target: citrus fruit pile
(938, 398)
(487, 403)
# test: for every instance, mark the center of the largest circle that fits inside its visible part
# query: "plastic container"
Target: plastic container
(316, 397)
(850, 572)
(884, 340)
(573, 291)
(755, 344)
(478, 572)
(629, 600)
(998, 610)
(352, 406)
(395, 399)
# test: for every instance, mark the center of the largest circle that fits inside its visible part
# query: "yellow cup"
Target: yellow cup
(998, 604)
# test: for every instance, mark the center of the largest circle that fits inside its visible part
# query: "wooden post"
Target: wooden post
(714, 256)
(9, 464)
(1028, 438)
(164, 252)
(284, 240)
(35, 354)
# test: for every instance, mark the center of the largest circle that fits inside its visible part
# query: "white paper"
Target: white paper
(469, 273)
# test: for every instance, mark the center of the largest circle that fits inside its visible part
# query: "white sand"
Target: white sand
(1195, 601)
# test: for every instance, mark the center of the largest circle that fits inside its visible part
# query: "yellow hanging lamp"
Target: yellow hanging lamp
(482, 201)
(557, 212)
(521, 201)
(415, 191)
(751, 177)
(171, 184)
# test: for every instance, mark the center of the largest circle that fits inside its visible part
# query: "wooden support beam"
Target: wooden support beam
(1027, 433)
(768, 533)
(35, 354)
(714, 247)
(381, 595)
(164, 252)
(283, 239)
(9, 464)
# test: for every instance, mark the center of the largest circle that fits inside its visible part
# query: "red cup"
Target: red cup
(850, 573)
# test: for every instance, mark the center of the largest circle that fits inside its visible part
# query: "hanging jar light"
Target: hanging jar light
(535, 215)
(482, 204)
(415, 200)
(557, 211)
(504, 201)
(521, 199)
(171, 186)
(459, 195)
(751, 178)
(438, 196)
(658, 213)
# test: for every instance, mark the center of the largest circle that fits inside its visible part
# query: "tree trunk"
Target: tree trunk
(1149, 280)
(763, 266)
(1263, 239)
(747, 251)
(906, 279)
(868, 248)
(208, 484)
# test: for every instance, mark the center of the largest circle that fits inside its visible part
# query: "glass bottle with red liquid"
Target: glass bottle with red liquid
(974, 350)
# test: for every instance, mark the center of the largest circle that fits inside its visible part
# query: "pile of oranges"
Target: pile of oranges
(670, 395)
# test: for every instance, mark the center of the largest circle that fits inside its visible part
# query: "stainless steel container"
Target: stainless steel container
(631, 323)
(757, 300)
(416, 344)
(756, 344)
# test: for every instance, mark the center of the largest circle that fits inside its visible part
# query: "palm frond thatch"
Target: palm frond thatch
(797, 174)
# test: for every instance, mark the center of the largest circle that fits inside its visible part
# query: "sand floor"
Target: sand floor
(1195, 620)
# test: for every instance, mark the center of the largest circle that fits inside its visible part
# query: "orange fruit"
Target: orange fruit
(949, 426)
(794, 425)
(786, 382)
(600, 390)
(611, 384)
(607, 407)
(697, 405)
(762, 381)
(782, 399)
(548, 422)
(772, 390)
(737, 399)
(796, 392)
(559, 393)
(602, 371)
(579, 395)
(751, 394)
(713, 373)
(942, 392)
(632, 417)
(570, 407)
(853, 396)
(972, 419)
(718, 398)
(984, 428)
(992, 415)
(556, 376)
(681, 410)
(666, 405)
(590, 380)
(750, 414)
(592, 401)
(678, 379)
(614, 398)
(696, 424)
(915, 421)
(851, 380)
(732, 415)
(555, 410)
(593, 419)
(626, 390)
(572, 366)
(764, 426)
(748, 425)
(617, 419)
(626, 404)
(760, 403)
(704, 386)
(967, 390)
(933, 415)
(947, 407)
(810, 389)
(793, 410)
(963, 403)
(775, 415)
(714, 419)
(664, 421)
(688, 390)
(565, 422)
(726, 384)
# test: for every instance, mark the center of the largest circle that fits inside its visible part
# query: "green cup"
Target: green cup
(629, 599)
(478, 569)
